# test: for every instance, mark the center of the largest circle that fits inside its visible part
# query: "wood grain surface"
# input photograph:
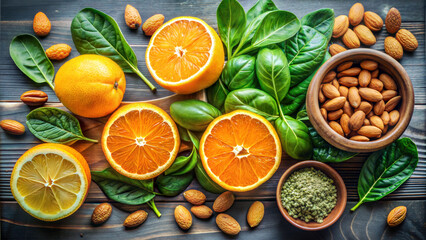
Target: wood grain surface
(368, 222)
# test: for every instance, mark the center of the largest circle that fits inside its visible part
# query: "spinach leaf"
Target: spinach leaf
(172, 185)
(29, 56)
(325, 152)
(216, 94)
(253, 100)
(193, 114)
(294, 137)
(231, 21)
(249, 32)
(385, 170)
(261, 6)
(179, 163)
(205, 181)
(95, 32)
(305, 52)
(321, 20)
(123, 189)
(273, 73)
(55, 126)
(302, 116)
(190, 165)
(239, 73)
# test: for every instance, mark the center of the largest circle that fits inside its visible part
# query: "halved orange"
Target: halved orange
(240, 150)
(140, 141)
(185, 55)
(50, 181)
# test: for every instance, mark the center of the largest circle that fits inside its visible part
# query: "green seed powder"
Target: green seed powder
(309, 194)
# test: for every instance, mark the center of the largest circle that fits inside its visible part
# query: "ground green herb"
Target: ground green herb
(308, 194)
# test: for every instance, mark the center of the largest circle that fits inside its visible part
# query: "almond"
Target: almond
(228, 224)
(347, 109)
(183, 217)
(58, 51)
(194, 197)
(379, 107)
(393, 48)
(344, 123)
(324, 113)
(34, 98)
(12, 127)
(370, 131)
(377, 122)
(332, 116)
(370, 94)
(348, 81)
(360, 138)
(132, 17)
(370, 114)
(101, 213)
(366, 122)
(388, 82)
(385, 117)
(341, 25)
(329, 77)
(343, 91)
(333, 104)
(356, 120)
(407, 40)
(223, 202)
(353, 97)
(255, 214)
(364, 78)
(373, 21)
(369, 65)
(375, 73)
(388, 94)
(366, 107)
(345, 65)
(321, 97)
(152, 24)
(376, 84)
(385, 129)
(41, 24)
(330, 91)
(335, 49)
(392, 103)
(336, 127)
(349, 72)
(393, 118)
(350, 39)
(365, 35)
(356, 14)
(396, 216)
(135, 219)
(335, 83)
(202, 211)
(393, 20)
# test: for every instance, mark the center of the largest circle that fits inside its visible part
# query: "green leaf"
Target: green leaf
(273, 72)
(321, 20)
(190, 165)
(123, 189)
(253, 100)
(386, 170)
(193, 114)
(179, 163)
(94, 32)
(261, 6)
(216, 94)
(29, 56)
(183, 134)
(231, 21)
(194, 139)
(172, 185)
(239, 72)
(294, 137)
(205, 181)
(55, 126)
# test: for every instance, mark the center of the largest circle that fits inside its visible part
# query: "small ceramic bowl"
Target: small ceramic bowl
(337, 211)
(388, 65)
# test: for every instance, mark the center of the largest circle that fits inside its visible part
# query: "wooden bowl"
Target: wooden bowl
(337, 211)
(388, 65)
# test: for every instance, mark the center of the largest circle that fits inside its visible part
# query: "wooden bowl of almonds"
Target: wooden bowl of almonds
(360, 100)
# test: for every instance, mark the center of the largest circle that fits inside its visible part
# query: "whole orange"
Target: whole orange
(90, 85)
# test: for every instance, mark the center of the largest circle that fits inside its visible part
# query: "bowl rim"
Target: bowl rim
(325, 131)
(326, 169)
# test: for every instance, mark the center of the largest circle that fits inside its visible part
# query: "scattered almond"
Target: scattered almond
(407, 40)
(194, 197)
(365, 35)
(228, 224)
(183, 217)
(34, 98)
(101, 213)
(255, 214)
(201, 211)
(135, 219)
(152, 24)
(41, 24)
(393, 48)
(335, 49)
(12, 127)
(356, 14)
(373, 21)
(223, 202)
(58, 51)
(396, 216)
(393, 20)
(132, 17)
(350, 39)
(341, 25)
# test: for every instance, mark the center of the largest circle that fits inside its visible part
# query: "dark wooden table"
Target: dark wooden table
(368, 222)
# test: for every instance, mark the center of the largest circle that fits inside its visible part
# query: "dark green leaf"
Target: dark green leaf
(55, 126)
(294, 137)
(261, 6)
(180, 162)
(171, 185)
(193, 114)
(302, 116)
(205, 181)
(239, 72)
(190, 165)
(29, 56)
(386, 170)
(216, 94)
(321, 20)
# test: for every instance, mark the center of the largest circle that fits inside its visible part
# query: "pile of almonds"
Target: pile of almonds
(359, 102)
(352, 38)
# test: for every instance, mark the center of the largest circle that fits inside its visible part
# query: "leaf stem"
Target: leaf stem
(151, 204)
(147, 82)
(51, 85)
(356, 206)
(89, 139)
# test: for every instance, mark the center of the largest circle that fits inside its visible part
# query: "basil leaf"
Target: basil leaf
(386, 170)
(29, 56)
(205, 181)
(253, 100)
(193, 114)
(294, 137)
(172, 185)
(95, 32)
(190, 165)
(261, 6)
(305, 52)
(273, 73)
(302, 116)
(216, 94)
(231, 21)
(179, 163)
(239, 73)
(249, 32)
(321, 20)
(123, 189)
(55, 126)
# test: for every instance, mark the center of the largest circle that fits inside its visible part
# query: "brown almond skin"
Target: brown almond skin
(223, 202)
(353, 97)
(366, 107)
(385, 117)
(350, 39)
(360, 138)
(366, 122)
(370, 94)
(330, 91)
(34, 98)
(12, 127)
(369, 115)
(335, 115)
(365, 35)
(321, 97)
(201, 211)
(373, 21)
(41, 24)
(364, 78)
(396, 216)
(329, 77)
(375, 73)
(194, 197)
(101, 213)
(356, 14)
(393, 20)
(347, 109)
(376, 84)
(388, 94)
(334, 104)
(255, 214)
(348, 81)
(356, 120)
(344, 123)
(324, 113)
(377, 122)
(393, 48)
(152, 24)
(388, 82)
(341, 25)
(370, 131)
(132, 17)
(135, 219)
(392, 103)
(183, 217)
(336, 127)
(379, 107)
(228, 224)
(369, 65)
(407, 40)
(335, 83)
(352, 72)
(385, 130)
(393, 118)
(335, 49)
(345, 65)
(343, 91)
